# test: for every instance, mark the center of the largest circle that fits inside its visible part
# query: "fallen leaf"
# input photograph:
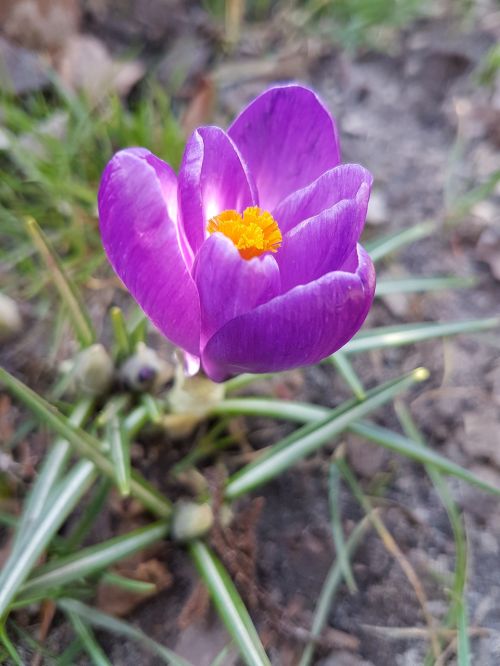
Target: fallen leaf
(44, 25)
(86, 66)
(200, 108)
(119, 601)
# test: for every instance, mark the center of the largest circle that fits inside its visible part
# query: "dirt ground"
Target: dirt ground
(416, 116)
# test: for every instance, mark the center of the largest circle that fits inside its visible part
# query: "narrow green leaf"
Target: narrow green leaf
(9, 647)
(123, 346)
(305, 441)
(136, 586)
(151, 404)
(298, 412)
(117, 404)
(106, 622)
(464, 203)
(330, 587)
(410, 449)
(240, 381)
(86, 445)
(137, 327)
(422, 284)
(407, 334)
(88, 516)
(286, 410)
(337, 531)
(120, 454)
(89, 642)
(52, 467)
(65, 496)
(221, 658)
(457, 613)
(92, 560)
(67, 291)
(230, 607)
(70, 654)
(345, 369)
(136, 420)
(381, 247)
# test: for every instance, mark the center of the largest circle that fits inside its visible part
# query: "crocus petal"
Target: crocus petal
(229, 285)
(212, 178)
(287, 138)
(300, 327)
(137, 208)
(342, 182)
(322, 243)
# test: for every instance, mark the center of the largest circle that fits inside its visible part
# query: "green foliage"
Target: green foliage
(52, 173)
(360, 23)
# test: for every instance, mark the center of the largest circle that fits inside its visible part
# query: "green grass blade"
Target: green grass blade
(416, 285)
(66, 495)
(9, 647)
(345, 369)
(230, 607)
(240, 381)
(136, 420)
(122, 341)
(397, 443)
(381, 247)
(105, 622)
(286, 410)
(120, 454)
(92, 560)
(223, 655)
(53, 465)
(70, 654)
(116, 405)
(298, 412)
(91, 646)
(337, 531)
(152, 406)
(88, 516)
(407, 334)
(67, 291)
(84, 444)
(457, 614)
(283, 455)
(330, 587)
(130, 584)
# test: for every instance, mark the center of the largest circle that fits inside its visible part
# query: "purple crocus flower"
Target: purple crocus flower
(249, 259)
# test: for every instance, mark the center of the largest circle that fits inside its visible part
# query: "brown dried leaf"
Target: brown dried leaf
(200, 108)
(195, 608)
(120, 602)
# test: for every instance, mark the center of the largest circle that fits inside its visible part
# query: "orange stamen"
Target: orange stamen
(253, 232)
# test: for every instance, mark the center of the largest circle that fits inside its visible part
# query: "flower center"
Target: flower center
(253, 232)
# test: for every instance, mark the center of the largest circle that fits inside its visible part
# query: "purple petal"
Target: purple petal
(137, 208)
(344, 182)
(287, 138)
(322, 243)
(229, 285)
(300, 327)
(212, 178)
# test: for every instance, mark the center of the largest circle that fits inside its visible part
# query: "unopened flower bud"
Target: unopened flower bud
(191, 520)
(93, 370)
(145, 370)
(10, 317)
